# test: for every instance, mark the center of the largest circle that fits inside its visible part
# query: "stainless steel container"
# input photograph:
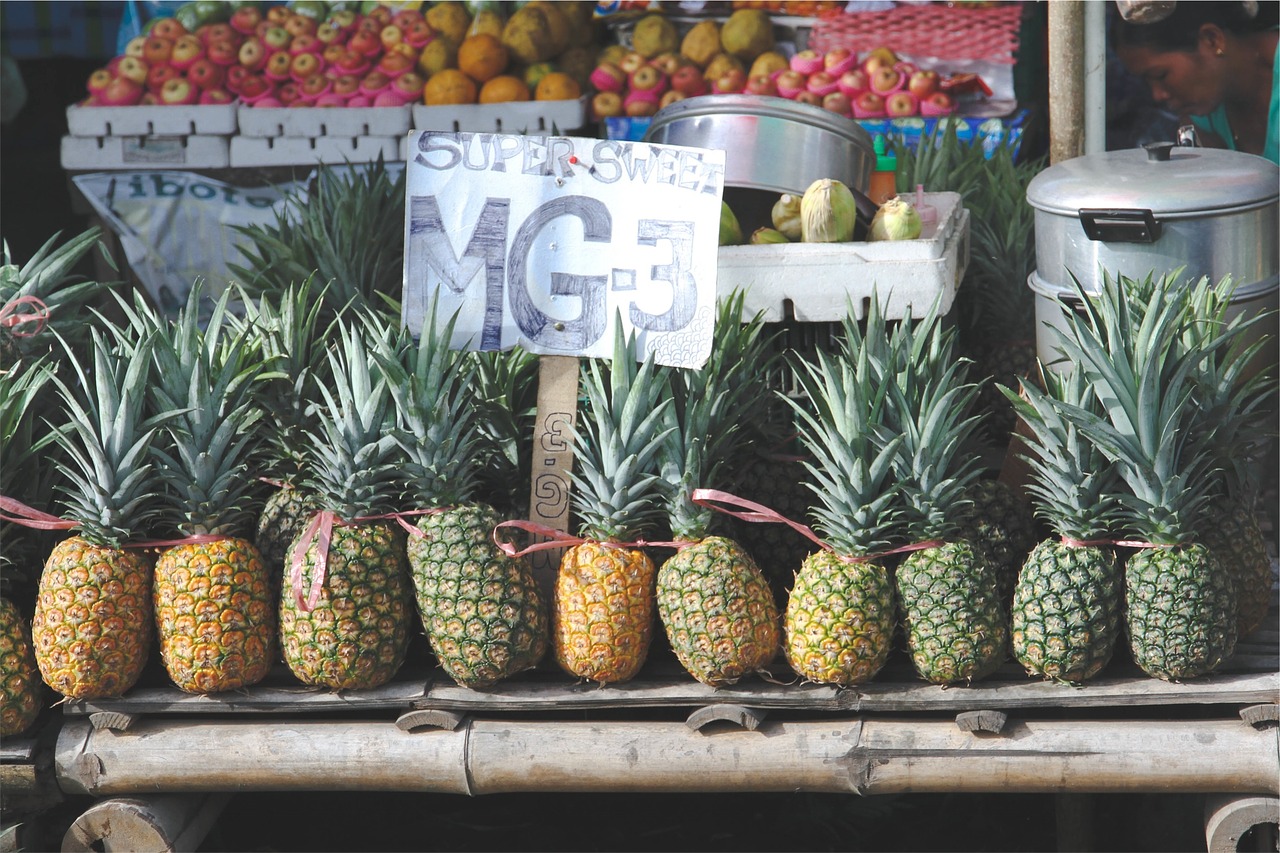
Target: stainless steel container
(1135, 212)
(770, 143)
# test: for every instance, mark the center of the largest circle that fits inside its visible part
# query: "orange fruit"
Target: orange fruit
(557, 86)
(449, 86)
(502, 89)
(482, 57)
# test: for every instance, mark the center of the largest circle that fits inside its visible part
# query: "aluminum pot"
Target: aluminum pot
(770, 143)
(1134, 212)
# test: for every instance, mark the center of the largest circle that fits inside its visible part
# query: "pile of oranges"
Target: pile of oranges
(484, 75)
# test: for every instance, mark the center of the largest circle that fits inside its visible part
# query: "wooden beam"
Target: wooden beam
(172, 822)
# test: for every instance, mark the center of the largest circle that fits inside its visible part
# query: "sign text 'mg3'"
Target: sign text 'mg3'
(610, 161)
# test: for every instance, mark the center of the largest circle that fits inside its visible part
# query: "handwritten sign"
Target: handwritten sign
(547, 241)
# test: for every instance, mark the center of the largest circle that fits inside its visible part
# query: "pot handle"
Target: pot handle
(1111, 225)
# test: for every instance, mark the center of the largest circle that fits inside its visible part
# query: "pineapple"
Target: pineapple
(955, 620)
(19, 677)
(999, 523)
(778, 481)
(93, 623)
(344, 615)
(603, 615)
(506, 387)
(840, 616)
(213, 601)
(1066, 605)
(714, 602)
(24, 474)
(1134, 346)
(481, 609)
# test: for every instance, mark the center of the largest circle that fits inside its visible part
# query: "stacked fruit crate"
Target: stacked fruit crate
(147, 137)
(294, 136)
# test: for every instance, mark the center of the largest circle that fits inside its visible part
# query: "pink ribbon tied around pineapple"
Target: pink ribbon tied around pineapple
(555, 538)
(11, 317)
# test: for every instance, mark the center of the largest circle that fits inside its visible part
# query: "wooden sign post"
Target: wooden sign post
(550, 486)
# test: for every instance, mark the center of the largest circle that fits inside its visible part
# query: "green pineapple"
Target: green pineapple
(1132, 344)
(481, 609)
(1066, 605)
(213, 600)
(955, 620)
(714, 602)
(93, 624)
(999, 523)
(345, 611)
(20, 688)
(603, 613)
(840, 616)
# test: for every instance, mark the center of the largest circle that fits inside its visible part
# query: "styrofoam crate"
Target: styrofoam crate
(296, 151)
(80, 153)
(532, 117)
(196, 119)
(820, 280)
(345, 122)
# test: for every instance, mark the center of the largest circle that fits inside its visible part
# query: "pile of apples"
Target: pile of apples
(877, 86)
(271, 58)
(637, 87)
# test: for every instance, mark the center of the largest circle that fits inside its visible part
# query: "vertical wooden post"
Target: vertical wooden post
(549, 485)
(1066, 80)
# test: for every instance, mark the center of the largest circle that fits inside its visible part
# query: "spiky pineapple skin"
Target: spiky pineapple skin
(603, 617)
(215, 615)
(839, 622)
(957, 627)
(718, 611)
(285, 513)
(481, 609)
(1233, 535)
(1180, 611)
(19, 677)
(777, 549)
(357, 634)
(1000, 525)
(1066, 611)
(93, 624)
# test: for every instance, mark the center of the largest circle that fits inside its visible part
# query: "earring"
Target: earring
(1218, 52)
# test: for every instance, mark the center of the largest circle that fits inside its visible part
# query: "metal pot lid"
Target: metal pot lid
(762, 106)
(1163, 178)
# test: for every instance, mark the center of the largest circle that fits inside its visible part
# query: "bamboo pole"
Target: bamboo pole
(174, 823)
(1066, 80)
(836, 755)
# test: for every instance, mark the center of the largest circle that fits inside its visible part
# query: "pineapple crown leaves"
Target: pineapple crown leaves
(437, 420)
(348, 229)
(19, 392)
(352, 456)
(1072, 482)
(841, 424)
(1145, 382)
(506, 390)
(292, 328)
(206, 381)
(618, 437)
(708, 418)
(110, 483)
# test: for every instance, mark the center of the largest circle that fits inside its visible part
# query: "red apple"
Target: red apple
(639, 107)
(606, 105)
(327, 33)
(885, 80)
(790, 82)
(409, 85)
(209, 33)
(380, 15)
(254, 87)
(134, 46)
(223, 52)
(731, 82)
(670, 97)
(631, 62)
(365, 43)
(158, 75)
(278, 66)
(148, 99)
(253, 54)
(688, 81)
(276, 38)
(608, 77)
(822, 84)
(394, 63)
(179, 92)
(838, 60)
(807, 97)
(390, 36)
(157, 50)
(289, 94)
(405, 17)
(806, 61)
(353, 62)
(838, 102)
(906, 69)
(854, 82)
(879, 58)
(648, 78)
(901, 104)
(346, 85)
(207, 74)
(279, 14)
(186, 50)
(305, 43)
(419, 34)
(332, 53)
(245, 18)
(668, 63)
(923, 83)
(868, 105)
(761, 84)
(168, 28)
(99, 80)
(120, 92)
(937, 104)
(315, 86)
(216, 96)
(298, 25)
(235, 75)
(133, 68)
(373, 83)
(304, 65)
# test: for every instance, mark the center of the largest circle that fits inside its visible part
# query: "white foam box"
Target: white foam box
(522, 117)
(817, 282)
(347, 122)
(192, 120)
(299, 151)
(86, 153)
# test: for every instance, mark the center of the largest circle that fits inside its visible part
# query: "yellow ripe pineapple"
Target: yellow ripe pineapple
(602, 621)
(93, 624)
(213, 602)
(19, 677)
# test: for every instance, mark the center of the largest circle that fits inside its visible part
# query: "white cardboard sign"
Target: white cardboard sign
(547, 241)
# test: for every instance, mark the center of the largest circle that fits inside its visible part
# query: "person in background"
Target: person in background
(1214, 64)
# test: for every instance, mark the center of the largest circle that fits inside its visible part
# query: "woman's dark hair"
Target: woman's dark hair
(1181, 29)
